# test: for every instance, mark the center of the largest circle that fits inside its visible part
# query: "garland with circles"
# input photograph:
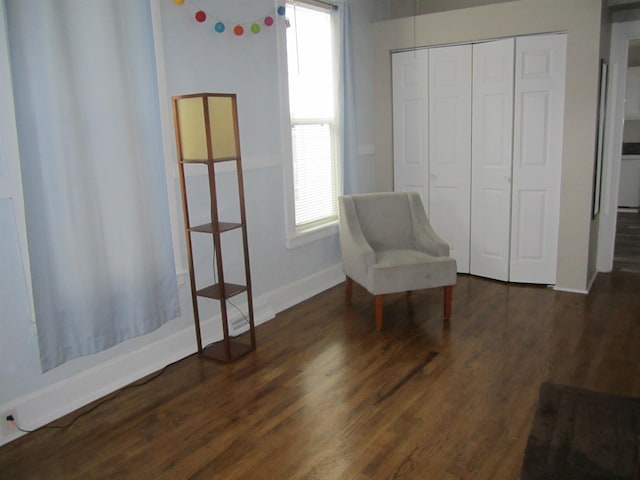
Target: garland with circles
(239, 29)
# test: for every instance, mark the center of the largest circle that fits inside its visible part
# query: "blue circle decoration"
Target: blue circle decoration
(281, 10)
(219, 27)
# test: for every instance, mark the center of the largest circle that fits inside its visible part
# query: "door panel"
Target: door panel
(530, 229)
(538, 129)
(410, 128)
(450, 148)
(492, 147)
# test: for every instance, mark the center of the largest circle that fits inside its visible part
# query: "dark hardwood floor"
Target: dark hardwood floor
(626, 256)
(325, 396)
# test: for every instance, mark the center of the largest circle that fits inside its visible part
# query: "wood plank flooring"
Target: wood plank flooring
(326, 396)
(626, 256)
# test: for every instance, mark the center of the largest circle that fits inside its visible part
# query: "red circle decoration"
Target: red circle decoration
(268, 21)
(201, 16)
(238, 30)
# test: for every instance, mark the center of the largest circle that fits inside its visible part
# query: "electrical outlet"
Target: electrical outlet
(8, 428)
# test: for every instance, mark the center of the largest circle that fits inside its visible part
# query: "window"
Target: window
(312, 71)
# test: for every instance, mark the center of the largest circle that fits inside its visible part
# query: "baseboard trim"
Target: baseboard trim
(292, 294)
(54, 401)
(571, 290)
(628, 210)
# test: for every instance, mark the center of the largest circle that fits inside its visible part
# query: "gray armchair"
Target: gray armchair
(388, 246)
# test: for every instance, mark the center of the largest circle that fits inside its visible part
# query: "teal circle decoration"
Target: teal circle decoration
(219, 27)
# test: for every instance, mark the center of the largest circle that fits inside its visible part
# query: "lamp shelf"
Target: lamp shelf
(210, 228)
(218, 351)
(215, 291)
(205, 160)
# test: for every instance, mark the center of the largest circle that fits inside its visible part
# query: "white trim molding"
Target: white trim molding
(570, 290)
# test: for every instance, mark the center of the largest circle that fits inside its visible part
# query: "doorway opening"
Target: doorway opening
(626, 256)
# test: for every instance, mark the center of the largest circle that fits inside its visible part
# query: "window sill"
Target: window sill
(308, 236)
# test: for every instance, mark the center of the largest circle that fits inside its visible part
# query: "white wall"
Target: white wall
(191, 57)
(407, 8)
(581, 20)
(197, 59)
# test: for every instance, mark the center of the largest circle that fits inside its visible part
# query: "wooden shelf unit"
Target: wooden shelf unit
(206, 128)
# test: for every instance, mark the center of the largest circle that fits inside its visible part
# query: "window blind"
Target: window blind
(314, 171)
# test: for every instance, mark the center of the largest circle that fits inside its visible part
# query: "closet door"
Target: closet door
(410, 122)
(450, 148)
(492, 146)
(538, 132)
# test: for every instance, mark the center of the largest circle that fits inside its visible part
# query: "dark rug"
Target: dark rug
(581, 434)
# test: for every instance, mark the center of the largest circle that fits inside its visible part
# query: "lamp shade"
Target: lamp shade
(223, 131)
(206, 126)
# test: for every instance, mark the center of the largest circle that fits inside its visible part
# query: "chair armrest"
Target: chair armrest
(427, 240)
(357, 254)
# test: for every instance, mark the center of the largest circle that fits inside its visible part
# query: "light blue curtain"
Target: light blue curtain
(351, 174)
(92, 165)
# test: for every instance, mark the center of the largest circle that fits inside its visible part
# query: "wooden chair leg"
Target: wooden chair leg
(349, 290)
(378, 308)
(448, 295)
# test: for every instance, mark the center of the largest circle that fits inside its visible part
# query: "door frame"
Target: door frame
(621, 34)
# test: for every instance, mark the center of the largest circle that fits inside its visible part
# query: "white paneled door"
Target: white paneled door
(410, 120)
(537, 157)
(477, 130)
(450, 148)
(492, 145)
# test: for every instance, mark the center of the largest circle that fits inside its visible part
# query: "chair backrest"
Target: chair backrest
(385, 220)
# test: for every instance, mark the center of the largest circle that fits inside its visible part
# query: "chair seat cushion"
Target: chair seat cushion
(404, 270)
